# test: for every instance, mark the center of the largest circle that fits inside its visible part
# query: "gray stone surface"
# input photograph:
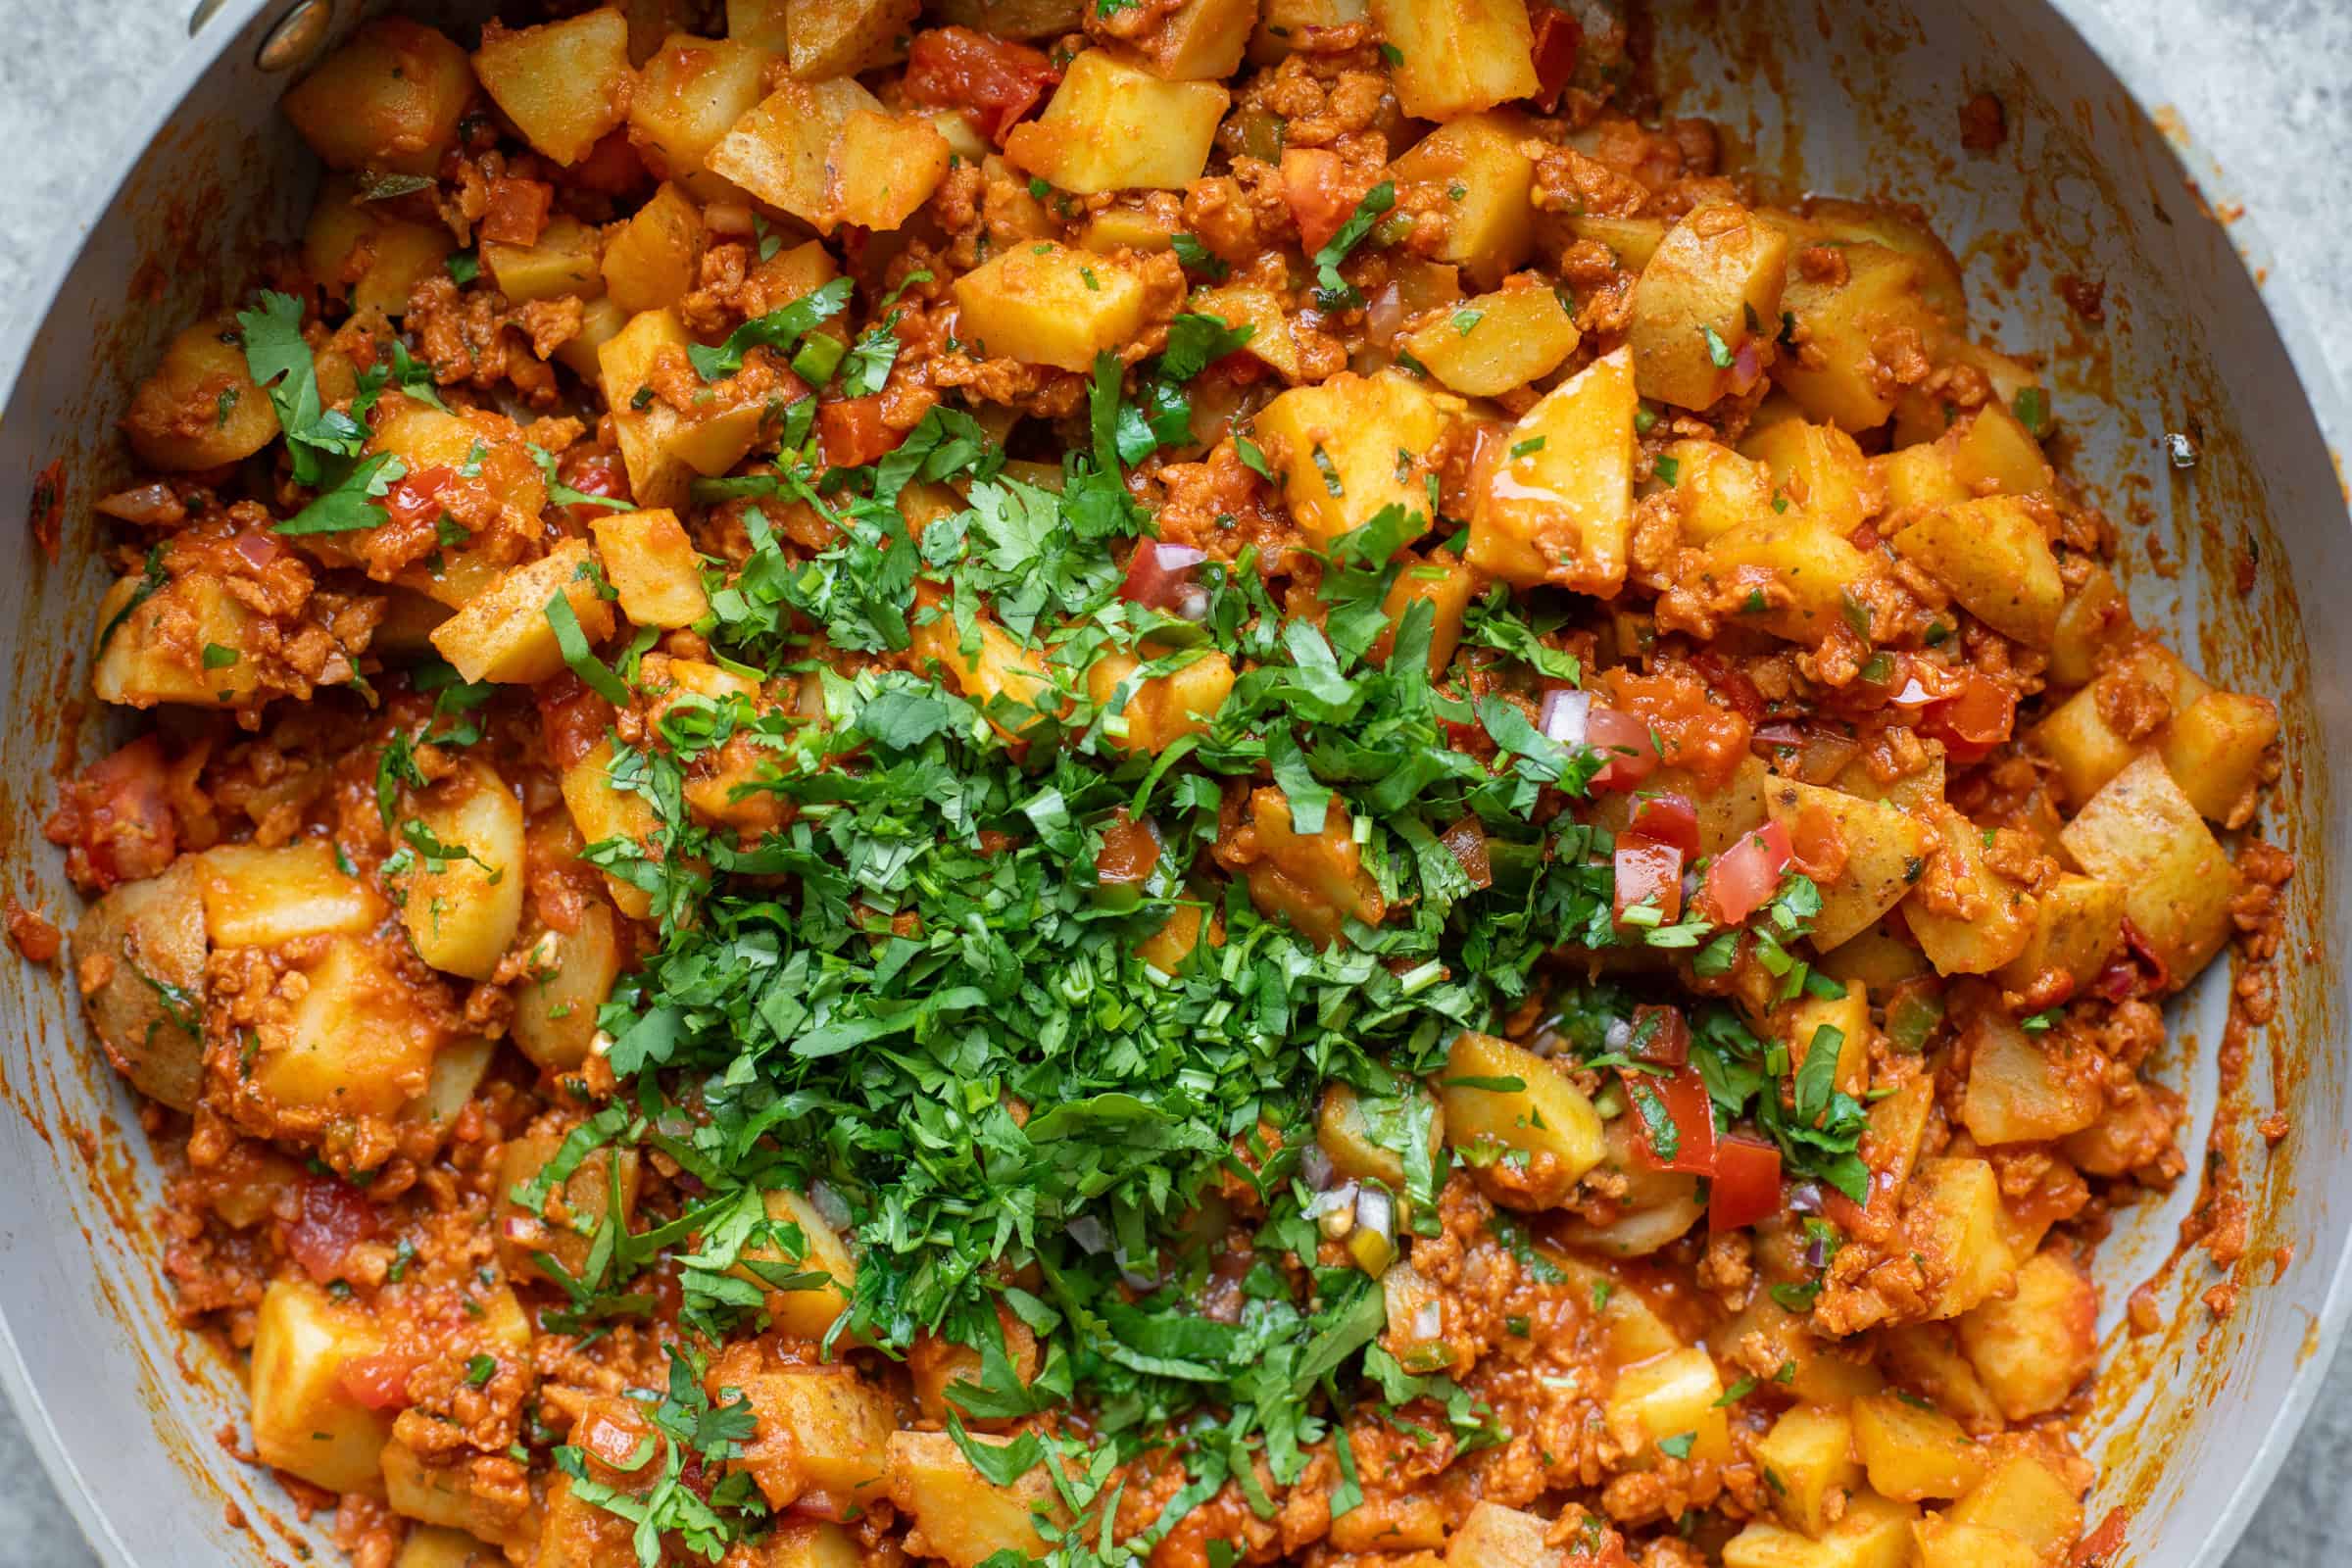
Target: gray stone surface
(2258, 83)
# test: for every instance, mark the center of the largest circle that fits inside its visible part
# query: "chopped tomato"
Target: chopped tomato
(1674, 1120)
(1130, 850)
(116, 820)
(1321, 195)
(1628, 744)
(380, 1382)
(993, 81)
(1743, 878)
(1747, 1182)
(1661, 1037)
(1648, 875)
(593, 472)
(332, 1215)
(1666, 818)
(517, 212)
(1160, 576)
(1557, 39)
(1974, 721)
(417, 497)
(852, 432)
(573, 719)
(1466, 842)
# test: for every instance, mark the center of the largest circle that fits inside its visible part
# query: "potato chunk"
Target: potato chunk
(806, 1310)
(1799, 568)
(1558, 506)
(1883, 848)
(1997, 916)
(887, 165)
(1495, 1536)
(1489, 187)
(463, 899)
(2078, 924)
(561, 1224)
(1837, 322)
(505, 635)
(1715, 489)
(1913, 1452)
(654, 259)
(1873, 1532)
(1536, 1141)
(1670, 1402)
(784, 151)
(1714, 284)
(1165, 709)
(1994, 557)
(265, 897)
(1820, 468)
(1110, 126)
(831, 38)
(1954, 1222)
(189, 642)
(1810, 1453)
(649, 562)
(2023, 1497)
(1457, 56)
(689, 95)
(359, 1042)
(1497, 341)
(2215, 748)
(1045, 303)
(564, 84)
(567, 260)
(821, 1433)
(2031, 1348)
(389, 99)
(1200, 40)
(663, 448)
(2142, 833)
(572, 974)
(960, 1517)
(144, 945)
(1350, 447)
(304, 1422)
(2023, 1088)
(200, 409)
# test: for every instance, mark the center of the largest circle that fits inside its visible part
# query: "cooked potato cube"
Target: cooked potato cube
(389, 99)
(1832, 374)
(1713, 286)
(1009, 681)
(564, 84)
(2078, 924)
(1994, 557)
(444, 1495)
(601, 321)
(1317, 881)
(1447, 586)
(1015, 19)
(463, 899)
(200, 409)
(144, 945)
(1044, 304)
(809, 1543)
(960, 1517)
(821, 1433)
(2031, 1348)
(1799, 1023)
(2142, 832)
(1952, 1221)
(1457, 57)
(157, 650)
(1272, 342)
(1940, 284)
(561, 1226)
(432, 1547)
(829, 38)
(359, 1042)
(1632, 241)
(663, 448)
(572, 975)
(265, 897)
(605, 813)
(304, 1422)
(650, 261)
(1818, 467)
(1110, 126)
(651, 565)
(1659, 1403)
(1810, 1453)
(505, 635)
(1944, 1545)
(1347, 448)
(2094, 620)
(1489, 185)
(567, 260)
(1800, 568)
(1358, 1134)
(2215, 748)
(2022, 1089)
(1925, 1356)
(1558, 505)
(689, 95)
(1200, 40)
(1913, 1450)
(1495, 1536)
(1998, 918)
(887, 165)
(1883, 849)
(1873, 1532)
(1165, 709)
(2088, 751)
(2025, 1498)
(786, 149)
(1918, 476)
(1497, 341)
(1540, 1136)
(807, 1310)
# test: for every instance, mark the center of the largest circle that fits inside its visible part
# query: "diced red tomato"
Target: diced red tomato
(1466, 842)
(1743, 878)
(1682, 1100)
(332, 1215)
(995, 81)
(1666, 818)
(378, 1382)
(1130, 850)
(1661, 1036)
(1626, 741)
(1321, 195)
(1648, 873)
(1557, 39)
(517, 212)
(1729, 682)
(593, 472)
(1972, 723)
(116, 820)
(417, 497)
(1747, 1182)
(1160, 575)
(852, 432)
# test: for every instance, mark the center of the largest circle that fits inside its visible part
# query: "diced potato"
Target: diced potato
(1714, 284)
(359, 1042)
(1798, 1024)
(1140, 229)
(1200, 40)
(602, 811)
(304, 1422)
(505, 635)
(1665, 1399)
(1163, 710)
(2094, 620)
(1457, 57)
(1714, 488)
(389, 99)
(1350, 447)
(1655, 1210)
(2031, 1348)
(1803, 568)
(1317, 881)
(1632, 240)
(2142, 832)
(655, 257)
(2078, 924)
(432, 1547)
(689, 95)
(1875, 957)
(1952, 1221)
(156, 650)
(443, 1496)
(457, 1070)
(2086, 750)
(1447, 586)
(1873, 1532)
(649, 562)
(1497, 341)
(1884, 852)
(564, 84)
(1925, 1356)
(960, 1517)
(1360, 1136)
(148, 1006)
(2000, 918)
(1495, 1536)
(1007, 680)
(888, 166)
(1918, 476)
(807, 1311)
(567, 260)
(2214, 750)
(1944, 1545)
(1490, 230)
(809, 1543)
(1809, 1452)
(1112, 127)
(1015, 19)
(461, 907)
(1044, 304)
(200, 409)
(786, 149)
(2022, 1089)
(1819, 1372)
(1837, 324)
(1562, 512)
(1940, 284)
(573, 1208)
(663, 448)
(2025, 1498)
(821, 1435)
(831, 38)
(1546, 1134)
(1913, 1450)
(601, 321)
(766, 24)
(1994, 557)
(1271, 342)
(426, 438)
(1818, 467)
(265, 897)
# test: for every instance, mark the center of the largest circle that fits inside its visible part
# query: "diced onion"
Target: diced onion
(1092, 1237)
(151, 505)
(1566, 715)
(1376, 1211)
(1316, 1169)
(1428, 1320)
(828, 1204)
(1619, 1035)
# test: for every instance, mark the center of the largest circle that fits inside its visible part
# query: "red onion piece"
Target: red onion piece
(1566, 715)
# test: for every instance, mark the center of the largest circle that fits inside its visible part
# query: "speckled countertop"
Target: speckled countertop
(2259, 85)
